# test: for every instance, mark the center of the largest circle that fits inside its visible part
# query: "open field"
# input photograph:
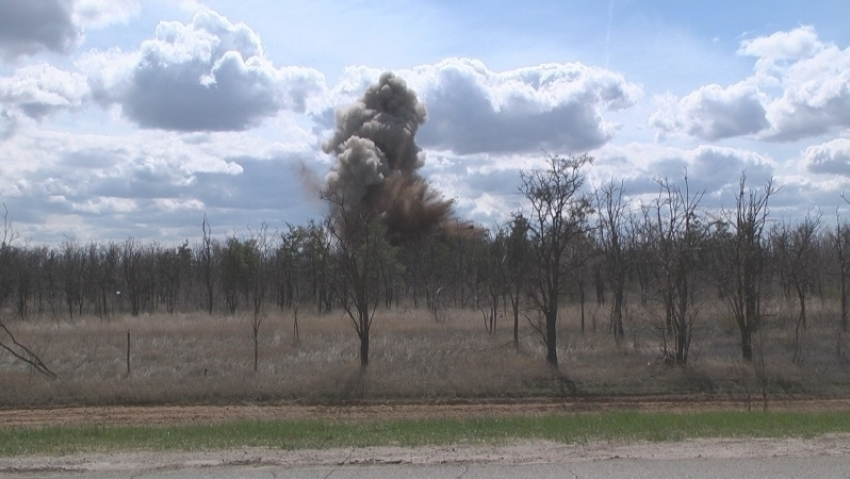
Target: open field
(434, 393)
(197, 359)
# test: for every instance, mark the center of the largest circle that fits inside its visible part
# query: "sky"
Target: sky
(138, 118)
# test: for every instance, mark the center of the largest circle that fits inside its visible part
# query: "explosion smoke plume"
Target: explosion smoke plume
(377, 161)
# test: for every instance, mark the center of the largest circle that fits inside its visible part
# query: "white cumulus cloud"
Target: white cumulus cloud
(208, 75)
(794, 45)
(813, 83)
(100, 13)
(816, 98)
(558, 107)
(473, 109)
(39, 90)
(713, 169)
(832, 157)
(712, 112)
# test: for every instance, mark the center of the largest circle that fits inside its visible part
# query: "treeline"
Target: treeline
(255, 271)
(667, 253)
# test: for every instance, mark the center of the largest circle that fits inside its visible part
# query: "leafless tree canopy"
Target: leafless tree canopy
(557, 225)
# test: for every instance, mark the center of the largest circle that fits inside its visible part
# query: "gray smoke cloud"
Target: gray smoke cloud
(377, 160)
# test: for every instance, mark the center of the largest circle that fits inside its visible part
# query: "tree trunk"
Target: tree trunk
(844, 319)
(581, 295)
(128, 353)
(256, 330)
(209, 299)
(682, 342)
(747, 343)
(515, 307)
(295, 326)
(364, 348)
(617, 314)
(802, 296)
(551, 332)
(668, 306)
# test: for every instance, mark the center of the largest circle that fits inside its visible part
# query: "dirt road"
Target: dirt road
(206, 414)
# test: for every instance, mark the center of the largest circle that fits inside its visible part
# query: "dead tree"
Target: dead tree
(206, 258)
(257, 259)
(741, 260)
(841, 244)
(21, 352)
(518, 257)
(613, 218)
(795, 247)
(842, 247)
(557, 220)
(8, 342)
(675, 235)
(493, 275)
(73, 261)
(360, 250)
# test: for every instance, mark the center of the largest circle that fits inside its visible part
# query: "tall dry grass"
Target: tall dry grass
(196, 358)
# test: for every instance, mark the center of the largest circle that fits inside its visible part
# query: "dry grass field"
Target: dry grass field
(198, 359)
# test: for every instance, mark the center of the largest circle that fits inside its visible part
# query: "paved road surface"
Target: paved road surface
(827, 456)
(823, 467)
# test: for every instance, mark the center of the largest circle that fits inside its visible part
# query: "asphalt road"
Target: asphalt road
(751, 468)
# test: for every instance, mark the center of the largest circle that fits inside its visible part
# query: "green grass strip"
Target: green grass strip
(569, 429)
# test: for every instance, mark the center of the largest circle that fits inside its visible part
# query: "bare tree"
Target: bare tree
(841, 243)
(361, 250)
(675, 235)
(795, 247)
(51, 282)
(582, 254)
(492, 273)
(557, 221)
(8, 342)
(206, 258)
(293, 273)
(257, 259)
(741, 260)
(317, 265)
(25, 270)
(8, 255)
(21, 352)
(235, 256)
(106, 278)
(133, 268)
(72, 270)
(7, 258)
(171, 264)
(612, 208)
(517, 268)
(842, 248)
(420, 257)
